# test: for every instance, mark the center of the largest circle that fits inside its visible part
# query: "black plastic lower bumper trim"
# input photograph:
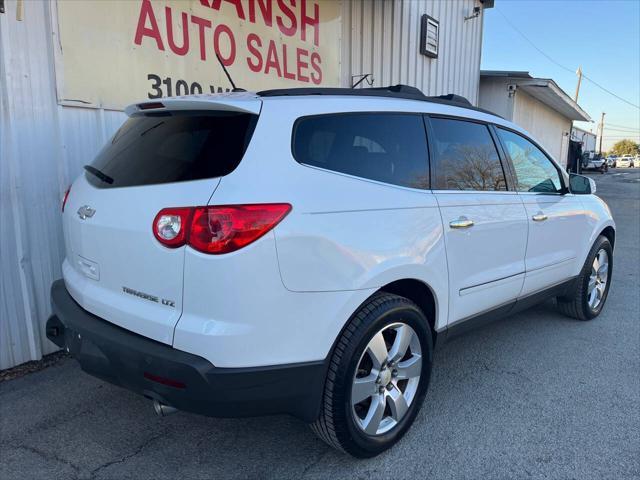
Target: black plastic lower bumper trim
(179, 379)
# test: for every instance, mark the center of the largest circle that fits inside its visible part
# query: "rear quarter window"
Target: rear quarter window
(386, 147)
(172, 147)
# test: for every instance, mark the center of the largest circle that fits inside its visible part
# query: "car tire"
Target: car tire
(349, 426)
(591, 288)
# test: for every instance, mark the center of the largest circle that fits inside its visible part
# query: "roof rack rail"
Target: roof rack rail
(394, 91)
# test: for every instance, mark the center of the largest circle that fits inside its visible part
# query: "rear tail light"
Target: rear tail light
(171, 226)
(228, 228)
(65, 197)
(217, 229)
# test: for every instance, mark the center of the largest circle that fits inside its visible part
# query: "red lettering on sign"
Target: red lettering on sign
(202, 23)
(302, 64)
(266, 9)
(215, 4)
(253, 45)
(185, 33)
(315, 64)
(220, 29)
(287, 74)
(146, 12)
(312, 21)
(272, 59)
(289, 31)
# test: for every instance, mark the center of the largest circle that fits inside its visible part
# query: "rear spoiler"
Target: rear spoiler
(227, 102)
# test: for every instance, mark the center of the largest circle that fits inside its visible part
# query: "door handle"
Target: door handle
(462, 222)
(539, 217)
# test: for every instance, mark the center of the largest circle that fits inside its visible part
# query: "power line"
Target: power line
(533, 44)
(621, 130)
(559, 64)
(622, 126)
(623, 137)
(610, 92)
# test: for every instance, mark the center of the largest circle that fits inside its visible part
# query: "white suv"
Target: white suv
(625, 161)
(302, 251)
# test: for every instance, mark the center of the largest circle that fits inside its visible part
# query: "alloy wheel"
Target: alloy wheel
(598, 279)
(386, 379)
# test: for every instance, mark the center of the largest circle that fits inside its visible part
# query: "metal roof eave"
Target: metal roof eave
(549, 93)
(505, 73)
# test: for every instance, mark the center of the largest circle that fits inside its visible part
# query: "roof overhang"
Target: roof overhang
(544, 90)
(505, 73)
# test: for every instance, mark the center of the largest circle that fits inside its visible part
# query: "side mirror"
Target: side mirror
(581, 185)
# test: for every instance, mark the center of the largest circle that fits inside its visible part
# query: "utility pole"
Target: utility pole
(579, 74)
(601, 131)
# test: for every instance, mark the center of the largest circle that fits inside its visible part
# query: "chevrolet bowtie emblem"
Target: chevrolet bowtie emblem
(85, 212)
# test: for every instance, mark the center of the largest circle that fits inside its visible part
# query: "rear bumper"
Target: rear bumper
(176, 378)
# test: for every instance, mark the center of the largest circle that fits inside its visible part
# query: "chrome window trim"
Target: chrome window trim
(364, 179)
(475, 192)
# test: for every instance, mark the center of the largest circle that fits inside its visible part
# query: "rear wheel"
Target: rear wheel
(377, 378)
(592, 286)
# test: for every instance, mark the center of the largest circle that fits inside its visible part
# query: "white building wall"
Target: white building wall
(544, 124)
(588, 139)
(43, 145)
(382, 38)
(494, 96)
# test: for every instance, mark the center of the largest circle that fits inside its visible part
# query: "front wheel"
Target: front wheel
(377, 378)
(591, 289)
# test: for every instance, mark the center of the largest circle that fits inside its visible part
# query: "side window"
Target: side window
(387, 147)
(534, 171)
(465, 157)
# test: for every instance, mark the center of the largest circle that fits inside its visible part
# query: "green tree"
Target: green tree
(625, 147)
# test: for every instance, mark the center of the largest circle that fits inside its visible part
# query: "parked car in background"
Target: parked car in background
(302, 251)
(636, 161)
(611, 161)
(625, 161)
(594, 161)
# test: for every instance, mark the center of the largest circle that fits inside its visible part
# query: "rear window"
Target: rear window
(386, 147)
(172, 147)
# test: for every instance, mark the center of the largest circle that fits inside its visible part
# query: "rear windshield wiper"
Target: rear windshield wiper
(101, 175)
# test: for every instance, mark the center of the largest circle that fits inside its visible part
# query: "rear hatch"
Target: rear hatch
(166, 155)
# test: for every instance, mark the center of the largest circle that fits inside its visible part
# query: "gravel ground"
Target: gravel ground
(535, 395)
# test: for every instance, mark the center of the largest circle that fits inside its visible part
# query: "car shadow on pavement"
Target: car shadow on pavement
(483, 384)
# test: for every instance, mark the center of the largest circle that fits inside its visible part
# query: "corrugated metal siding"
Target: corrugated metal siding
(42, 148)
(383, 38)
(43, 145)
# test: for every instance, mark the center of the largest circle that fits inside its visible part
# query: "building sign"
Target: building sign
(429, 36)
(112, 53)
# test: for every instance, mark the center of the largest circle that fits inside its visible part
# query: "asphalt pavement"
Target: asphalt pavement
(537, 395)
